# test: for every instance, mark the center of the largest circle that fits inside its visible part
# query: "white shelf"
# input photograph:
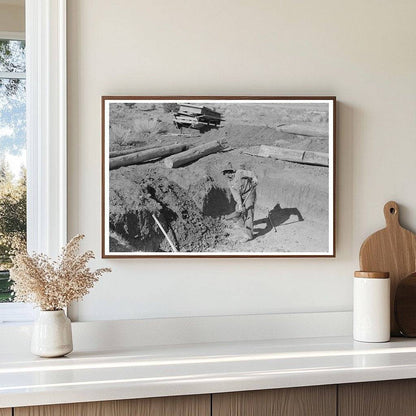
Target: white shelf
(150, 371)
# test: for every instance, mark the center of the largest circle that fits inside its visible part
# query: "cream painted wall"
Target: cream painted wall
(12, 18)
(361, 51)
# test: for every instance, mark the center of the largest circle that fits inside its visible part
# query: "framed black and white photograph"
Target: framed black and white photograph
(218, 176)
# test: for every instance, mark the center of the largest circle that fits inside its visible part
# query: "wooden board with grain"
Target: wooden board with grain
(381, 398)
(393, 250)
(158, 406)
(298, 401)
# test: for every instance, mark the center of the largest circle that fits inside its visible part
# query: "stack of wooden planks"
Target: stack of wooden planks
(196, 117)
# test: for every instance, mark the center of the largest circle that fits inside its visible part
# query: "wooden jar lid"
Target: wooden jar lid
(372, 275)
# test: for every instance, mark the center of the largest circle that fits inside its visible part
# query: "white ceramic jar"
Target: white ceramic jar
(52, 334)
(371, 305)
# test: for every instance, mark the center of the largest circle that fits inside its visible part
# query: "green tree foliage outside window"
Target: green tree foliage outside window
(12, 145)
(12, 223)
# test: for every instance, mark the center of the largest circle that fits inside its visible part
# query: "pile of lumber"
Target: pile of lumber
(196, 117)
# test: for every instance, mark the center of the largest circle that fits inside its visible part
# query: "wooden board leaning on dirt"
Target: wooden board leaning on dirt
(294, 155)
(304, 130)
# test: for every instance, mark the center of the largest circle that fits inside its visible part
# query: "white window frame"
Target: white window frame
(46, 126)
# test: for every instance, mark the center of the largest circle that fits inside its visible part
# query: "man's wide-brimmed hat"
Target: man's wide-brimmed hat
(228, 168)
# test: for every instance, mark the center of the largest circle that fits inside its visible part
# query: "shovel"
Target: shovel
(165, 234)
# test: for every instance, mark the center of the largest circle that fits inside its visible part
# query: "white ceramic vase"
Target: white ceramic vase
(52, 334)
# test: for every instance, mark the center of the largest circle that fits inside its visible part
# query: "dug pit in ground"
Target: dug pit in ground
(134, 199)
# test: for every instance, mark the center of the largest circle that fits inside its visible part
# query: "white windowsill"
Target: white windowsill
(16, 313)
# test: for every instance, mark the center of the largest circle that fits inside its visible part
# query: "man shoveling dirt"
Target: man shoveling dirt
(242, 184)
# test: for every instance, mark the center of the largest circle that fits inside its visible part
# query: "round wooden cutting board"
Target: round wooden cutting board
(393, 250)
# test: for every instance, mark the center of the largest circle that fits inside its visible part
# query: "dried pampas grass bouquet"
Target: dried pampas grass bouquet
(53, 285)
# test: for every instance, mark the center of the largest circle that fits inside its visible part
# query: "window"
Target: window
(45, 26)
(12, 153)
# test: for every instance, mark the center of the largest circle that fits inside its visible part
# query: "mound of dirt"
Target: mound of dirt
(134, 199)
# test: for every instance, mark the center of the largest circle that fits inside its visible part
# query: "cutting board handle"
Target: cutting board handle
(391, 214)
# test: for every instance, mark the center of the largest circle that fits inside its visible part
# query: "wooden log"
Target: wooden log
(145, 155)
(194, 154)
(117, 153)
(320, 130)
(293, 155)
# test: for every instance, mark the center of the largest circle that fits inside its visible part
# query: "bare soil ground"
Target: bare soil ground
(291, 212)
